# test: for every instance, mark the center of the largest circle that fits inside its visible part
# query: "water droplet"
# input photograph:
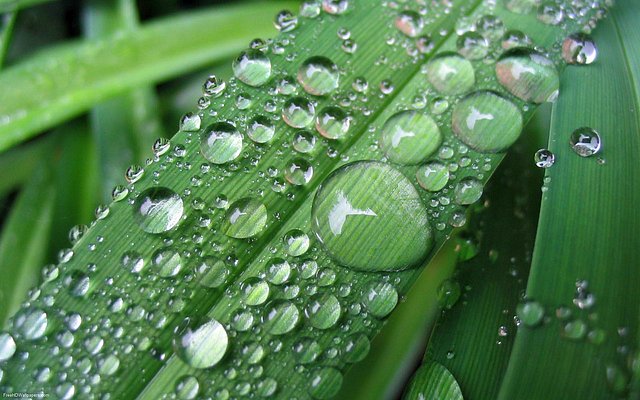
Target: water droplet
(252, 67)
(310, 8)
(490, 27)
(281, 317)
(325, 382)
(351, 225)
(298, 112)
(579, 48)
(333, 123)
(448, 293)
(575, 330)
(201, 346)
(514, 39)
(380, 298)
(544, 158)
(285, 21)
(521, 6)
(7, 346)
(304, 142)
(318, 76)
(31, 323)
(77, 282)
(530, 313)
(255, 291)
(486, 122)
(187, 387)
(298, 172)
(433, 176)
(158, 210)
(433, 381)
(410, 23)
(212, 87)
(335, 7)
(529, 76)
(212, 272)
(467, 191)
(296, 242)
(221, 143)
(245, 218)
(166, 262)
(190, 122)
(323, 311)
(356, 348)
(261, 129)
(473, 46)
(451, 74)
(585, 141)
(278, 271)
(410, 137)
(550, 13)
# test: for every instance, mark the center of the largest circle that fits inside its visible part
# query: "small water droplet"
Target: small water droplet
(296, 242)
(451, 74)
(579, 48)
(585, 141)
(544, 158)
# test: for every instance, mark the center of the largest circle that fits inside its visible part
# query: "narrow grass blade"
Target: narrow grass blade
(584, 271)
(71, 78)
(126, 126)
(234, 293)
(396, 350)
(6, 29)
(11, 5)
(24, 240)
(18, 164)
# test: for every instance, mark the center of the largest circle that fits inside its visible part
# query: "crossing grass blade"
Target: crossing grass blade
(273, 319)
(588, 232)
(62, 82)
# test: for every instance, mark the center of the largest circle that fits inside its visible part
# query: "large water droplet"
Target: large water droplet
(467, 191)
(31, 323)
(473, 45)
(451, 74)
(410, 23)
(433, 176)
(7, 346)
(318, 76)
(245, 218)
(585, 141)
(201, 346)
(221, 143)
(579, 48)
(298, 112)
(281, 317)
(298, 172)
(323, 311)
(325, 383)
(333, 123)
(158, 210)
(355, 210)
(252, 67)
(486, 122)
(410, 137)
(261, 129)
(380, 298)
(529, 76)
(166, 262)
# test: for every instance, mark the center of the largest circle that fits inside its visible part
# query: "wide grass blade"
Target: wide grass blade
(65, 81)
(584, 270)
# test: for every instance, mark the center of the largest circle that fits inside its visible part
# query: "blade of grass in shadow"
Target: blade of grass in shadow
(18, 164)
(24, 240)
(71, 78)
(8, 21)
(397, 348)
(10, 5)
(585, 263)
(473, 338)
(126, 126)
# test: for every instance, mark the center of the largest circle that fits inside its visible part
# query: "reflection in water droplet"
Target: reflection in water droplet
(410, 137)
(31, 323)
(245, 218)
(380, 298)
(467, 191)
(201, 346)
(252, 67)
(410, 23)
(298, 112)
(221, 143)
(281, 317)
(451, 74)
(318, 76)
(323, 311)
(544, 158)
(529, 76)
(7, 346)
(261, 129)
(158, 210)
(486, 122)
(433, 176)
(350, 222)
(579, 48)
(333, 123)
(585, 141)
(298, 172)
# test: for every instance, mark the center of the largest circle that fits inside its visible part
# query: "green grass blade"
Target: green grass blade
(588, 231)
(6, 29)
(18, 164)
(10, 5)
(157, 323)
(395, 350)
(126, 126)
(24, 240)
(72, 78)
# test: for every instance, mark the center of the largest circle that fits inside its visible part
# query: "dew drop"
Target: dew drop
(281, 317)
(325, 383)
(252, 67)
(298, 172)
(255, 291)
(380, 298)
(530, 313)
(323, 311)
(212, 272)
(410, 137)
(7, 346)
(351, 223)
(166, 262)
(467, 191)
(335, 7)
(187, 387)
(278, 271)
(201, 346)
(261, 129)
(579, 48)
(451, 74)
(433, 176)
(318, 76)
(544, 158)
(486, 122)
(529, 76)
(296, 242)
(31, 323)
(245, 218)
(473, 46)
(333, 122)
(158, 209)
(585, 141)
(410, 23)
(304, 142)
(298, 112)
(286, 21)
(221, 143)
(550, 13)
